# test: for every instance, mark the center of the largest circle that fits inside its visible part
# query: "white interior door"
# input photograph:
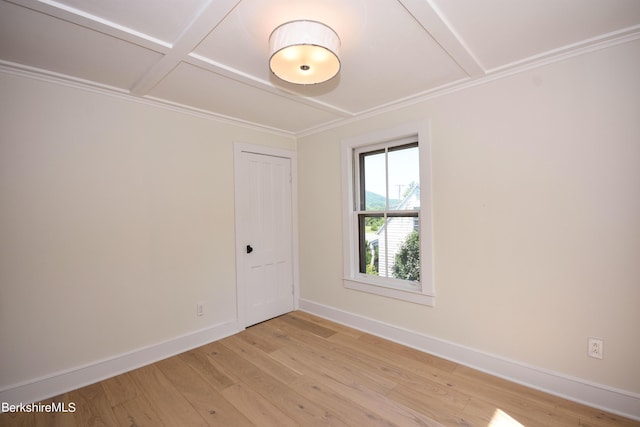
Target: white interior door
(264, 237)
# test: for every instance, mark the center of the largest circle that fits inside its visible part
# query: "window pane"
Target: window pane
(399, 255)
(404, 178)
(369, 226)
(403, 245)
(373, 174)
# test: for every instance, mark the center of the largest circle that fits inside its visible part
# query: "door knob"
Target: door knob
(249, 249)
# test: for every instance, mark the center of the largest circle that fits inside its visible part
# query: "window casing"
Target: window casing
(396, 163)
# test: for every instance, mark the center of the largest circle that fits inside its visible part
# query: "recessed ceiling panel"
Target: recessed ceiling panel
(202, 89)
(385, 53)
(164, 20)
(384, 67)
(41, 41)
(501, 32)
(241, 41)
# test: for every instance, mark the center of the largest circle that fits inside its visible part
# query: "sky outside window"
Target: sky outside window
(404, 169)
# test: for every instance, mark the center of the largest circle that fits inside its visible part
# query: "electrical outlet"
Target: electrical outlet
(200, 309)
(595, 348)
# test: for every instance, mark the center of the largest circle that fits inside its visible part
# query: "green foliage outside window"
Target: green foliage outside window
(407, 262)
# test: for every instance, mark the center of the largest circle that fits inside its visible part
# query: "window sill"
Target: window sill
(400, 294)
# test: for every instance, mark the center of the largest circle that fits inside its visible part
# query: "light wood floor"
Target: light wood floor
(300, 370)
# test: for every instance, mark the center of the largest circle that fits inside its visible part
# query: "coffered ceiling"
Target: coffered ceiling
(211, 56)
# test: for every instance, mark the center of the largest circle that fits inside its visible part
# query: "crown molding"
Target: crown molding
(89, 86)
(537, 61)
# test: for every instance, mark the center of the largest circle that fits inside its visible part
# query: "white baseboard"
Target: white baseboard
(55, 384)
(599, 396)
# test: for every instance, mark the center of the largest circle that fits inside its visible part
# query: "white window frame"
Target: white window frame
(389, 287)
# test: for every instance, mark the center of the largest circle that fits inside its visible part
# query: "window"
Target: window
(387, 214)
(387, 210)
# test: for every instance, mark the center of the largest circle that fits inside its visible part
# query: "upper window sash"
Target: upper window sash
(359, 156)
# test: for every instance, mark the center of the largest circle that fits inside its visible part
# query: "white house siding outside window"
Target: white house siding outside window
(397, 230)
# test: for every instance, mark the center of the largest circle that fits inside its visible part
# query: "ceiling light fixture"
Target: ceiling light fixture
(304, 52)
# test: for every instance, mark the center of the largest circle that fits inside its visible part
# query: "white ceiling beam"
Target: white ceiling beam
(205, 22)
(96, 23)
(241, 77)
(433, 22)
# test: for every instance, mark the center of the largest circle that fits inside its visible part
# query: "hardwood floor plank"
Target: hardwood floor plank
(354, 386)
(385, 367)
(516, 400)
(259, 340)
(201, 363)
(64, 420)
(345, 408)
(406, 371)
(430, 403)
(302, 356)
(396, 360)
(282, 396)
(393, 350)
(18, 419)
(55, 419)
(344, 366)
(172, 408)
(300, 369)
(261, 359)
(256, 408)
(345, 330)
(395, 412)
(307, 326)
(208, 402)
(92, 407)
(138, 412)
(119, 389)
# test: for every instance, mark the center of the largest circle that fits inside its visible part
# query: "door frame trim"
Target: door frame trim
(238, 149)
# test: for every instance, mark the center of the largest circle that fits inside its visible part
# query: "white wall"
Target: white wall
(536, 195)
(116, 217)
